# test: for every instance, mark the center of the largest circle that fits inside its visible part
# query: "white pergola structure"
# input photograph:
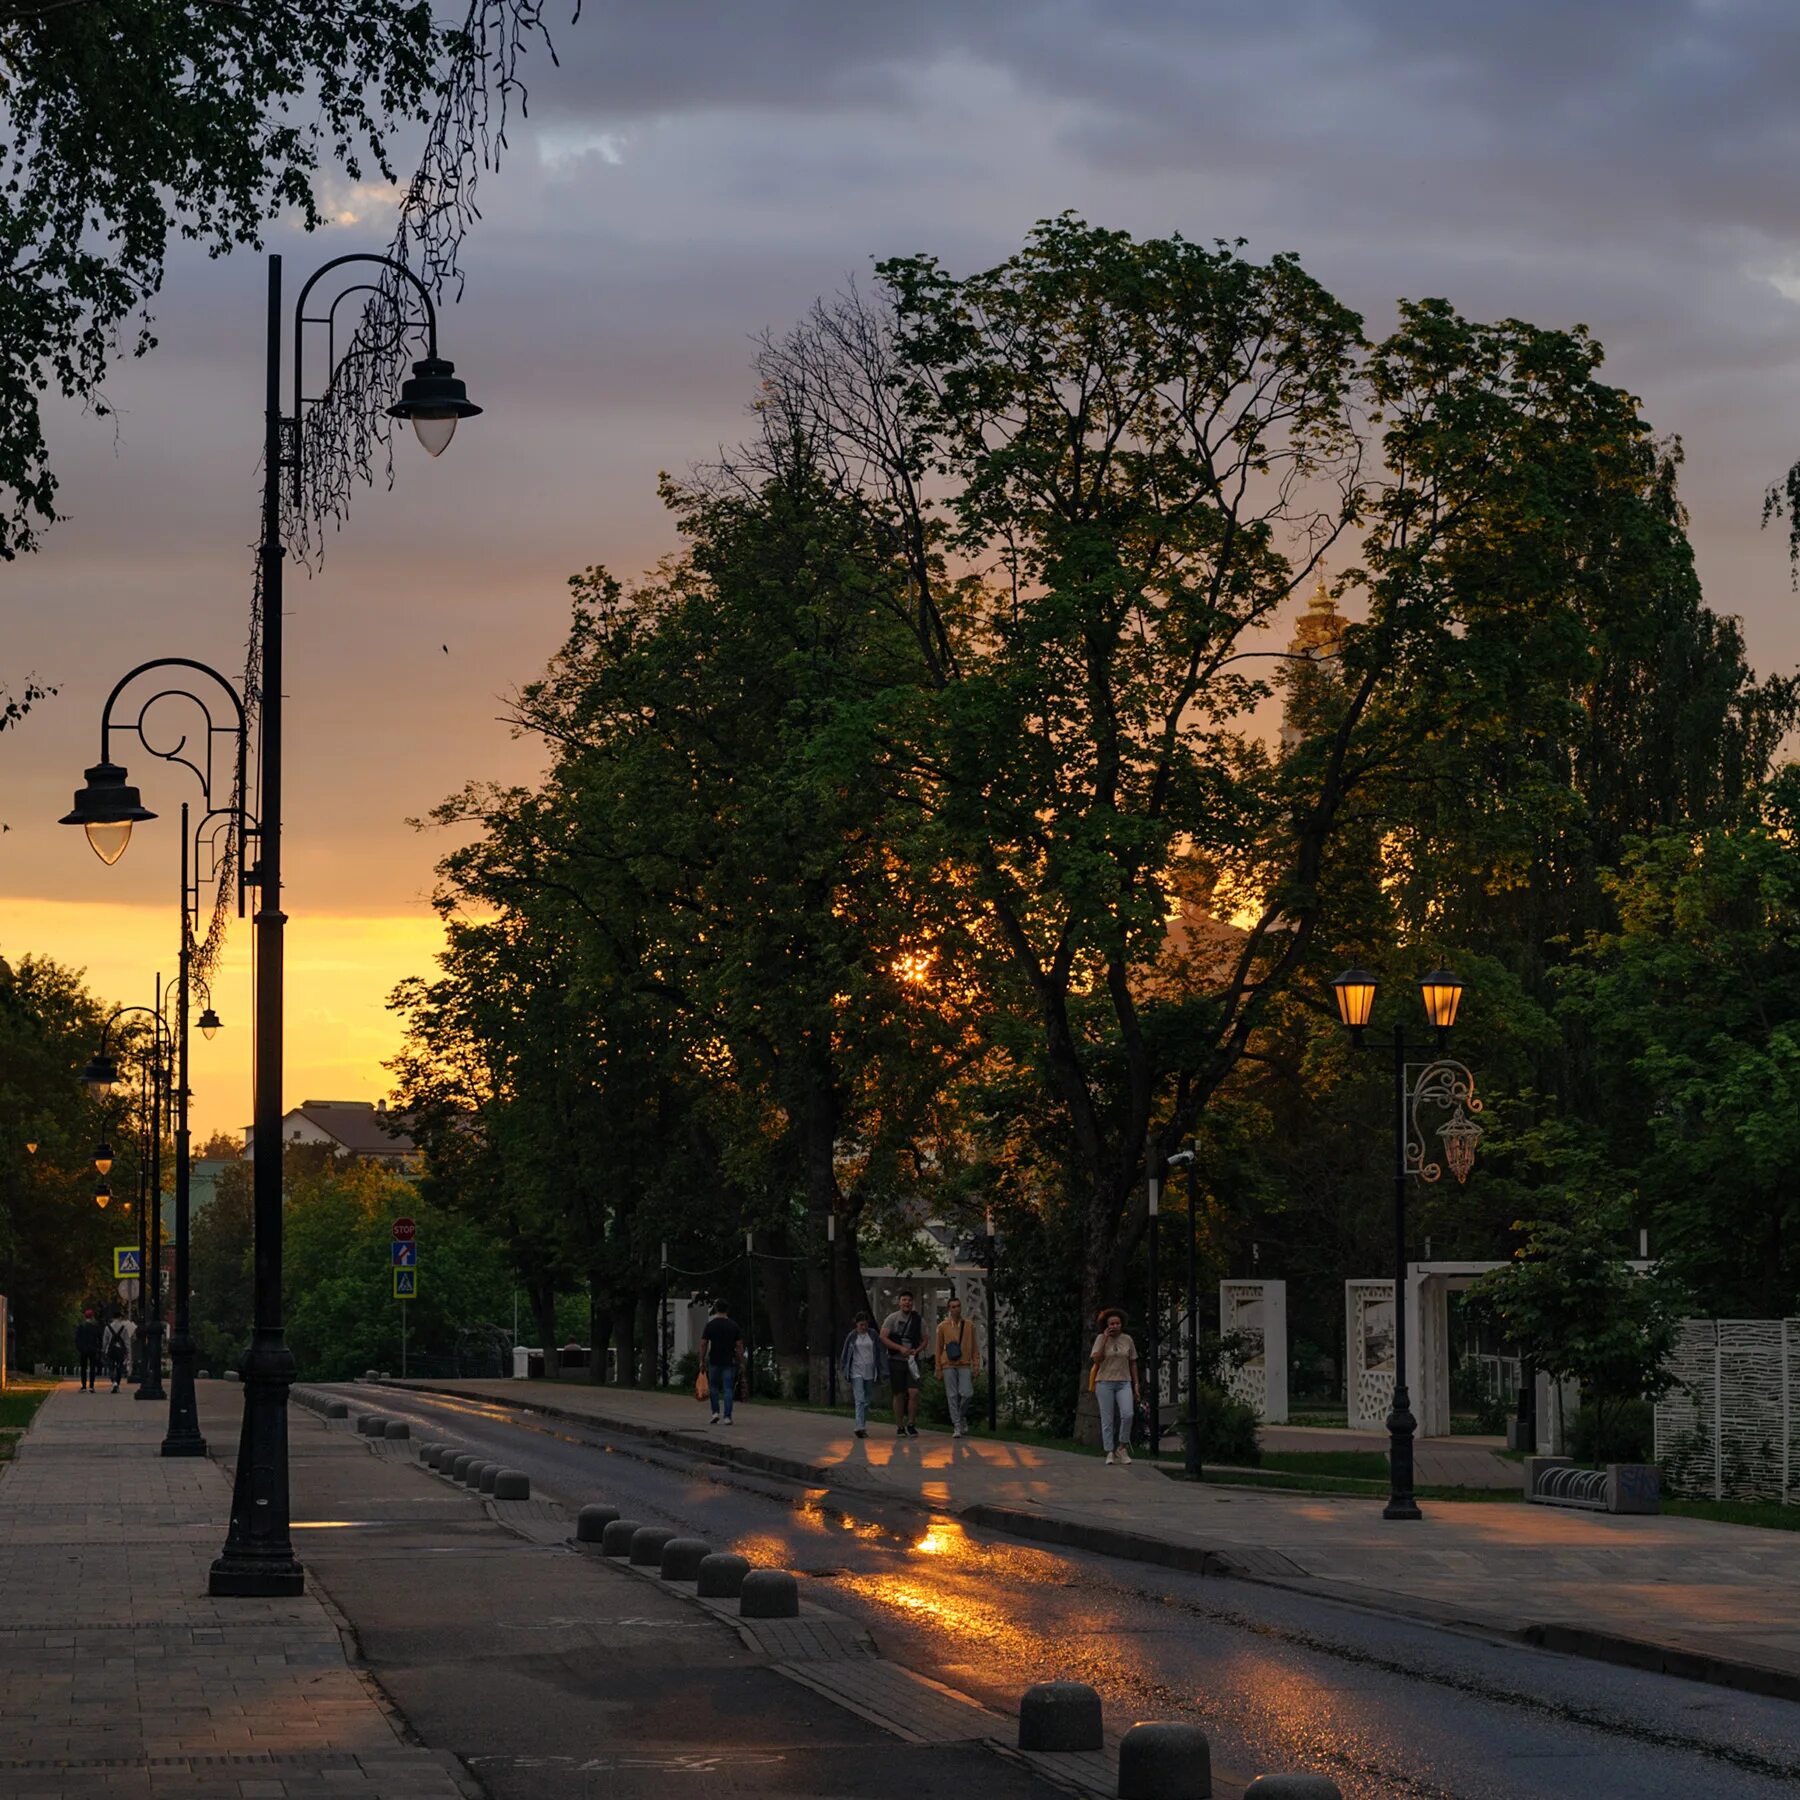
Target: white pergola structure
(1258, 1311)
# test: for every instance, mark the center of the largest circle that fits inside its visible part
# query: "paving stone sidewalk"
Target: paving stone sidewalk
(120, 1677)
(1717, 1602)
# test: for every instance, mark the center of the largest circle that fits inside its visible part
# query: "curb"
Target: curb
(1268, 1567)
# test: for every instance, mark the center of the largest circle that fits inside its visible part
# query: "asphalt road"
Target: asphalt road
(1279, 1680)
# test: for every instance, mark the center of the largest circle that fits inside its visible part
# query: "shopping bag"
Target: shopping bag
(701, 1390)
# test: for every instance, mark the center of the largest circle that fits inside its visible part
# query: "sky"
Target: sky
(698, 171)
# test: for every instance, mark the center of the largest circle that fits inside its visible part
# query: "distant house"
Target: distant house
(353, 1127)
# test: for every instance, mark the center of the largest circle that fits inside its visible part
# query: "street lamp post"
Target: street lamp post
(1438, 1082)
(258, 1558)
(993, 1349)
(107, 808)
(1153, 1201)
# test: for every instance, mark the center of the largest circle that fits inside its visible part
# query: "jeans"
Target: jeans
(863, 1387)
(90, 1369)
(959, 1390)
(721, 1384)
(1116, 1409)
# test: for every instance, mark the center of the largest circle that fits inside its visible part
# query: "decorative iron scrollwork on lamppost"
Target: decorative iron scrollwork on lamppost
(1449, 1087)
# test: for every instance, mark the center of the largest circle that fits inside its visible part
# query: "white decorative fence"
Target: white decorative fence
(1257, 1311)
(1730, 1429)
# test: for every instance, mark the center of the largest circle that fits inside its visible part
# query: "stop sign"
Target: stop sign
(403, 1231)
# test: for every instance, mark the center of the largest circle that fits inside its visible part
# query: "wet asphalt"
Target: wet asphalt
(1280, 1680)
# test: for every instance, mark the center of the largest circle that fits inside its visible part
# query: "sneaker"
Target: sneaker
(1110, 1459)
(714, 1420)
(1124, 1456)
(912, 1431)
(724, 1421)
(860, 1432)
(899, 1431)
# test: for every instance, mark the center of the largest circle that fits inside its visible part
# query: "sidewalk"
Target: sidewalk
(118, 1676)
(1713, 1602)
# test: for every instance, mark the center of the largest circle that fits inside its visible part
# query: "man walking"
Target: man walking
(860, 1364)
(958, 1362)
(87, 1348)
(723, 1341)
(115, 1348)
(902, 1332)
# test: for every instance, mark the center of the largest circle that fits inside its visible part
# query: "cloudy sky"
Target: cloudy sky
(697, 171)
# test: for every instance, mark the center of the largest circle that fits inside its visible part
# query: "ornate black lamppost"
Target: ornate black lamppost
(258, 1558)
(107, 807)
(1442, 1083)
(1190, 1431)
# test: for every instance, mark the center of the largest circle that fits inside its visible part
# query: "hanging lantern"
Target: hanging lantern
(1460, 1137)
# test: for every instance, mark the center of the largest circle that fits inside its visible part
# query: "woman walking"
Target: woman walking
(1114, 1360)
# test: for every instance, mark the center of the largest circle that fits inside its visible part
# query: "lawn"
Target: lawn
(17, 1404)
(1769, 1513)
(1358, 1465)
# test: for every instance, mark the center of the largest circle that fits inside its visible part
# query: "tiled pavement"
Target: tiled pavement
(1684, 1591)
(120, 1677)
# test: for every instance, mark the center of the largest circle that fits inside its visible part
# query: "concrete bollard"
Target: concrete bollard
(592, 1521)
(427, 1451)
(1294, 1787)
(486, 1476)
(234, 1375)
(473, 1474)
(615, 1537)
(397, 1429)
(370, 1375)
(769, 1594)
(682, 1557)
(370, 1424)
(1060, 1715)
(439, 1455)
(1165, 1762)
(647, 1544)
(721, 1575)
(336, 1409)
(461, 1463)
(512, 1484)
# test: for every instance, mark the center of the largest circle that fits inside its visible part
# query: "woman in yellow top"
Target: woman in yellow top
(1115, 1364)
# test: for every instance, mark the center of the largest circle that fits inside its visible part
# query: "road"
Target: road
(1278, 1679)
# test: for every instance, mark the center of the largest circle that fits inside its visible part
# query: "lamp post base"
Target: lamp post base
(150, 1386)
(1401, 1426)
(183, 1435)
(1190, 1445)
(258, 1560)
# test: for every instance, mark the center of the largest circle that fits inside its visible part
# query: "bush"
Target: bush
(1630, 1427)
(1227, 1429)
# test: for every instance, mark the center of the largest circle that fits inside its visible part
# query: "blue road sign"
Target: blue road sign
(406, 1255)
(406, 1283)
(127, 1264)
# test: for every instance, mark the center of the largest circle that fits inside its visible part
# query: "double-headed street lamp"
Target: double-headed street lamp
(258, 1558)
(1441, 1083)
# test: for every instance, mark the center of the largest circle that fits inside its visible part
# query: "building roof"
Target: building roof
(360, 1126)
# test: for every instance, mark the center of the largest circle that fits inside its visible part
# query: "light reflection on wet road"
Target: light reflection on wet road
(1280, 1680)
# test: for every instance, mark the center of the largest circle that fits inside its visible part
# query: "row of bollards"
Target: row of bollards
(474, 1471)
(716, 1574)
(1157, 1761)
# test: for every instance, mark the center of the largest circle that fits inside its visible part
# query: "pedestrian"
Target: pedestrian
(958, 1362)
(115, 1347)
(1114, 1379)
(860, 1364)
(87, 1348)
(902, 1333)
(724, 1341)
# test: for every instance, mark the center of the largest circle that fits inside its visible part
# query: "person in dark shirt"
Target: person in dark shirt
(723, 1342)
(87, 1349)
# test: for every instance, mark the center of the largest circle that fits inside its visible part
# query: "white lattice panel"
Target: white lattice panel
(1369, 1352)
(1728, 1428)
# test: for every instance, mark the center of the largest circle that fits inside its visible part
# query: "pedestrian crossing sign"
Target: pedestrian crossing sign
(127, 1263)
(406, 1283)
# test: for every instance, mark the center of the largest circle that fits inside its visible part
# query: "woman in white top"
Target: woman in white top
(1115, 1364)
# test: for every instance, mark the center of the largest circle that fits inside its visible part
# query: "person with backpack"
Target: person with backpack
(87, 1348)
(1113, 1365)
(902, 1333)
(723, 1340)
(115, 1348)
(859, 1362)
(957, 1361)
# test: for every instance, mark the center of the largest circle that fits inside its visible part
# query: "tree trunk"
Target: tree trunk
(542, 1295)
(626, 1319)
(649, 1329)
(600, 1326)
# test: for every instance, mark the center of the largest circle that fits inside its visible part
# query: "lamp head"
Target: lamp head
(107, 808)
(102, 1194)
(1354, 992)
(434, 399)
(31, 1146)
(209, 1024)
(98, 1077)
(1442, 994)
(103, 1158)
